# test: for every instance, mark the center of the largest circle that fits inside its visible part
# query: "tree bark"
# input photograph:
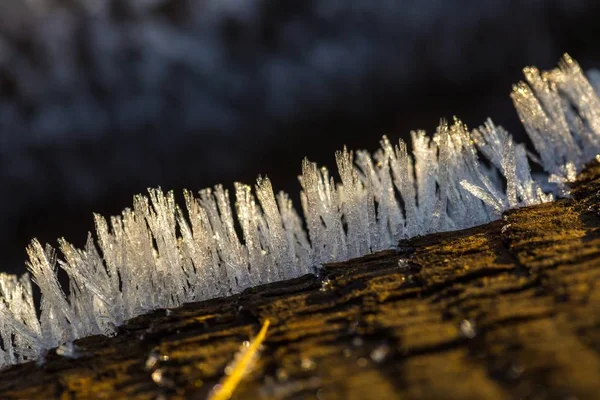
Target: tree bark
(510, 309)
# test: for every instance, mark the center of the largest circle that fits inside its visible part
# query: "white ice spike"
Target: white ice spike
(158, 255)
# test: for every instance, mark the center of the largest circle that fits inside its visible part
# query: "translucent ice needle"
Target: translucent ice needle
(158, 255)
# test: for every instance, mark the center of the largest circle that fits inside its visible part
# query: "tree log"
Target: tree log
(510, 309)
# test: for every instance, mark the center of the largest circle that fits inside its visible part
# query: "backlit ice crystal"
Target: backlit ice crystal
(157, 255)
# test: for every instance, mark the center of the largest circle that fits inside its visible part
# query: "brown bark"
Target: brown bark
(506, 310)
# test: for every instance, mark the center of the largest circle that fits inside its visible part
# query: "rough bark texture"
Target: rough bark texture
(506, 310)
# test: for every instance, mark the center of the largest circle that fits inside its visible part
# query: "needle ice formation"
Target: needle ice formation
(158, 255)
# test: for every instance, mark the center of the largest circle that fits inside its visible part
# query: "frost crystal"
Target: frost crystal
(157, 255)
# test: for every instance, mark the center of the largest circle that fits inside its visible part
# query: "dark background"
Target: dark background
(101, 99)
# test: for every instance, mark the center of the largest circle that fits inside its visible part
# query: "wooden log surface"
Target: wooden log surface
(510, 309)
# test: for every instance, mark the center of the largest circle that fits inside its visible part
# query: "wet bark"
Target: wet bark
(510, 309)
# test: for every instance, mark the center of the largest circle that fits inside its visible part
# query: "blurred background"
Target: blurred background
(100, 99)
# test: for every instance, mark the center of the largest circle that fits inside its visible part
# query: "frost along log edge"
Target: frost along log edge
(509, 309)
(157, 255)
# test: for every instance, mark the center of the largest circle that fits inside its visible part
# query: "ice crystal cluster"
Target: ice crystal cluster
(158, 255)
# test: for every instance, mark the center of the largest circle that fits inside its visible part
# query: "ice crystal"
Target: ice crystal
(158, 255)
(561, 113)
